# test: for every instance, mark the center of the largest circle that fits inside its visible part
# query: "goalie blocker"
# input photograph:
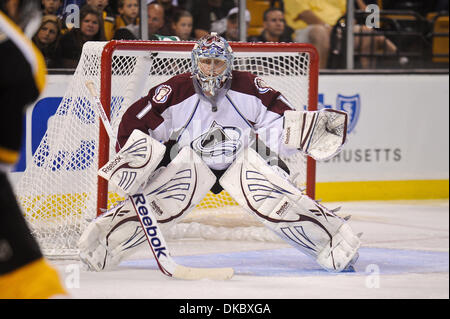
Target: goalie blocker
(133, 164)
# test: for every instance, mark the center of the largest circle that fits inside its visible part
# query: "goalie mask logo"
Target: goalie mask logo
(220, 144)
(351, 105)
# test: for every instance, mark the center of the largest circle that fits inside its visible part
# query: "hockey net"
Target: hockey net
(60, 191)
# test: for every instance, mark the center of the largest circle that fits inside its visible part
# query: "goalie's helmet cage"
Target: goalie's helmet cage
(212, 46)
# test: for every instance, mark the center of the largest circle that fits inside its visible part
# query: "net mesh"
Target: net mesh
(58, 190)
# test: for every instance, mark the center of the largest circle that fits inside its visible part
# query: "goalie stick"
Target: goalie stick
(152, 231)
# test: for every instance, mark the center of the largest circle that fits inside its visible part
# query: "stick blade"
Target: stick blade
(188, 273)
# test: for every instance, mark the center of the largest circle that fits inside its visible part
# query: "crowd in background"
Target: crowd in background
(61, 39)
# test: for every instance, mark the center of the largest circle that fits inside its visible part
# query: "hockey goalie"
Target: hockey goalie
(210, 129)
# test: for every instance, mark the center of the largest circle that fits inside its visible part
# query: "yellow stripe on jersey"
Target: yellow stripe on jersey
(36, 280)
(28, 49)
(8, 156)
(40, 76)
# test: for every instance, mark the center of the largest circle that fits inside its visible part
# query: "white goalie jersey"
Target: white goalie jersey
(216, 128)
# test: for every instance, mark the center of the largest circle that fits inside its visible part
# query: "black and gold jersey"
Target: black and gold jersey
(22, 79)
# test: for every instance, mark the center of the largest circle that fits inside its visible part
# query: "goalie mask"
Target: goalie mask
(212, 60)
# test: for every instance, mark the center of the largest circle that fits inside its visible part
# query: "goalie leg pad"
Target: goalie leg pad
(111, 237)
(293, 216)
(171, 192)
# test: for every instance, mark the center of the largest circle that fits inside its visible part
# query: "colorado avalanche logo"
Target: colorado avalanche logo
(351, 105)
(220, 144)
(162, 93)
(262, 86)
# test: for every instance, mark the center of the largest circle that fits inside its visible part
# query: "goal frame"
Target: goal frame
(185, 46)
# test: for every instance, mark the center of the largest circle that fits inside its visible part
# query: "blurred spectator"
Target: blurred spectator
(127, 27)
(51, 7)
(182, 25)
(65, 3)
(155, 15)
(107, 17)
(169, 12)
(313, 22)
(72, 42)
(274, 27)
(54, 7)
(128, 13)
(210, 16)
(47, 40)
(232, 31)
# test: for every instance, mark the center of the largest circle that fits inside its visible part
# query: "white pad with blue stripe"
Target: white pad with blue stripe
(283, 208)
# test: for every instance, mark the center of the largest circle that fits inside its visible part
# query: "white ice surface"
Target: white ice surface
(404, 255)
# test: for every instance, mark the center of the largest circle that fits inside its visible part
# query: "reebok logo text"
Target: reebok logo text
(148, 224)
(111, 165)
